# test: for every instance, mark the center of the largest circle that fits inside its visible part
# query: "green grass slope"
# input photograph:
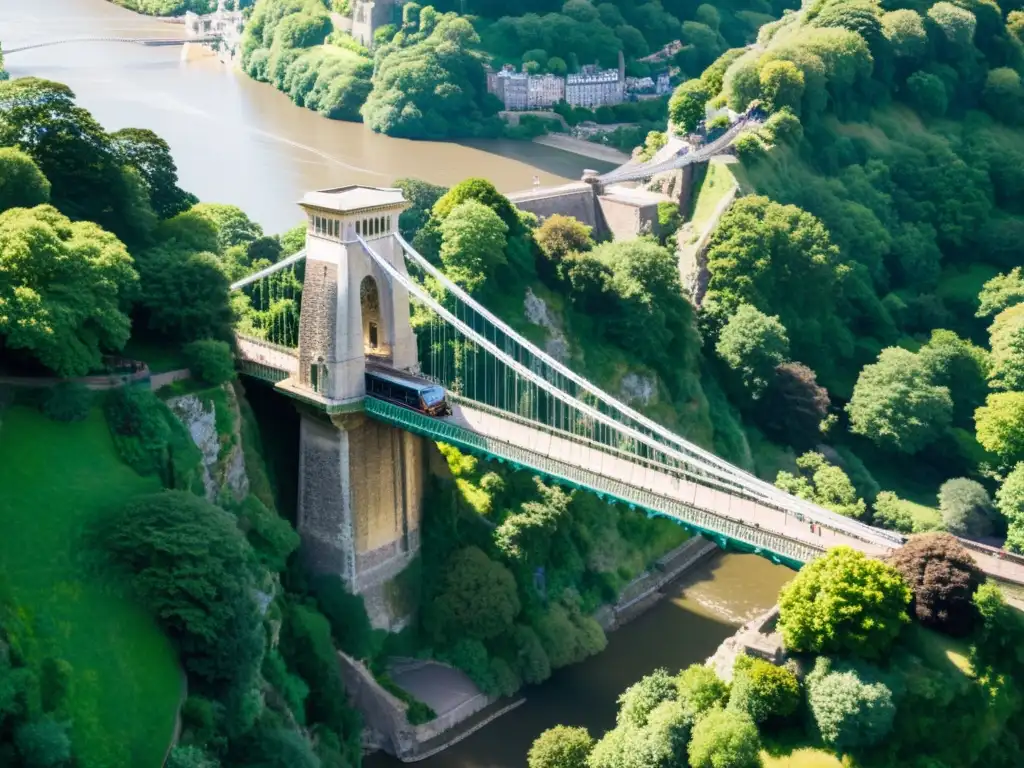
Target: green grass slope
(58, 481)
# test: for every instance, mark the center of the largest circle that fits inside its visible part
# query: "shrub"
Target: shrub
(210, 361)
(725, 739)
(846, 710)
(350, 624)
(43, 743)
(560, 747)
(966, 507)
(700, 689)
(68, 401)
(762, 690)
(637, 701)
(844, 602)
(191, 567)
(892, 514)
(943, 578)
(149, 438)
(271, 535)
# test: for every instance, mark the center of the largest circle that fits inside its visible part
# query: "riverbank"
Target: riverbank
(585, 148)
(461, 708)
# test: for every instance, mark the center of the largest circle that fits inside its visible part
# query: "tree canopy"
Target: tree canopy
(844, 602)
(65, 290)
(943, 578)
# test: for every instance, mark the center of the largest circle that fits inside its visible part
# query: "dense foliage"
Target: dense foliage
(843, 602)
(63, 290)
(943, 578)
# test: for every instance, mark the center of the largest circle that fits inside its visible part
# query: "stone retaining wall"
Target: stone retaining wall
(384, 714)
(641, 593)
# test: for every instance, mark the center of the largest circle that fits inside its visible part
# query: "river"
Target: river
(701, 609)
(241, 142)
(235, 140)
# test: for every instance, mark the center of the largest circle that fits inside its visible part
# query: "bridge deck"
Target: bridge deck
(741, 519)
(619, 469)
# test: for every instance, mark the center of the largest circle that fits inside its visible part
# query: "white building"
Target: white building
(664, 84)
(544, 91)
(519, 90)
(594, 87)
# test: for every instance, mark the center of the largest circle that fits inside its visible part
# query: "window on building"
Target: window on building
(389, 223)
(314, 382)
(357, 228)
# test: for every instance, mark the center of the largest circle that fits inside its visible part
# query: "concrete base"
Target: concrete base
(360, 504)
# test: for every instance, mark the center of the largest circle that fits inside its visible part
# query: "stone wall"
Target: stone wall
(645, 590)
(384, 715)
(577, 200)
(317, 317)
(360, 504)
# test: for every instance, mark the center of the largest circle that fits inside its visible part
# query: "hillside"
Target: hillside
(893, 156)
(61, 481)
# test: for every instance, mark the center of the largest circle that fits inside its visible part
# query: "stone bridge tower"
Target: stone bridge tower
(360, 481)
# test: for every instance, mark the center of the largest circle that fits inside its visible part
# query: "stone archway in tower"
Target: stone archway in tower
(374, 337)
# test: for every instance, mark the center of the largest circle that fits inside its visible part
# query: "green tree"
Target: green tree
(1006, 339)
(943, 578)
(824, 484)
(779, 259)
(753, 344)
(638, 701)
(190, 757)
(904, 29)
(686, 107)
(959, 366)
(190, 565)
(763, 690)
(1003, 95)
(844, 602)
(431, 89)
(87, 179)
(1001, 292)
(350, 624)
(22, 184)
(1010, 502)
(559, 236)
(782, 85)
(271, 536)
(928, 93)
(1000, 425)
(890, 512)
(473, 240)
(150, 155)
(43, 743)
(210, 361)
(64, 289)
(965, 506)
(725, 739)
(700, 689)
(230, 222)
(955, 26)
(560, 747)
(184, 294)
(847, 711)
(478, 599)
(896, 405)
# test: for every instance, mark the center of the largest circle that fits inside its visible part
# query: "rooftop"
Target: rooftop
(354, 198)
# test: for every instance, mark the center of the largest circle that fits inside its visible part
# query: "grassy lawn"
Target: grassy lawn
(58, 481)
(942, 650)
(718, 180)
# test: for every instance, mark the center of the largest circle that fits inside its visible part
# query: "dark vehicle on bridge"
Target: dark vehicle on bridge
(409, 392)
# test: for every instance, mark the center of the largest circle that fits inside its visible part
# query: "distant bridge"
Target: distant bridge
(148, 41)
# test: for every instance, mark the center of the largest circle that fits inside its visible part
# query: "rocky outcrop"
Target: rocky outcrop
(538, 313)
(223, 464)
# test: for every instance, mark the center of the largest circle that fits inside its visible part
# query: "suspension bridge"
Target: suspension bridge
(148, 41)
(360, 297)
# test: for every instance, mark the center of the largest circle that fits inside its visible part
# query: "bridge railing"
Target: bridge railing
(715, 527)
(676, 453)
